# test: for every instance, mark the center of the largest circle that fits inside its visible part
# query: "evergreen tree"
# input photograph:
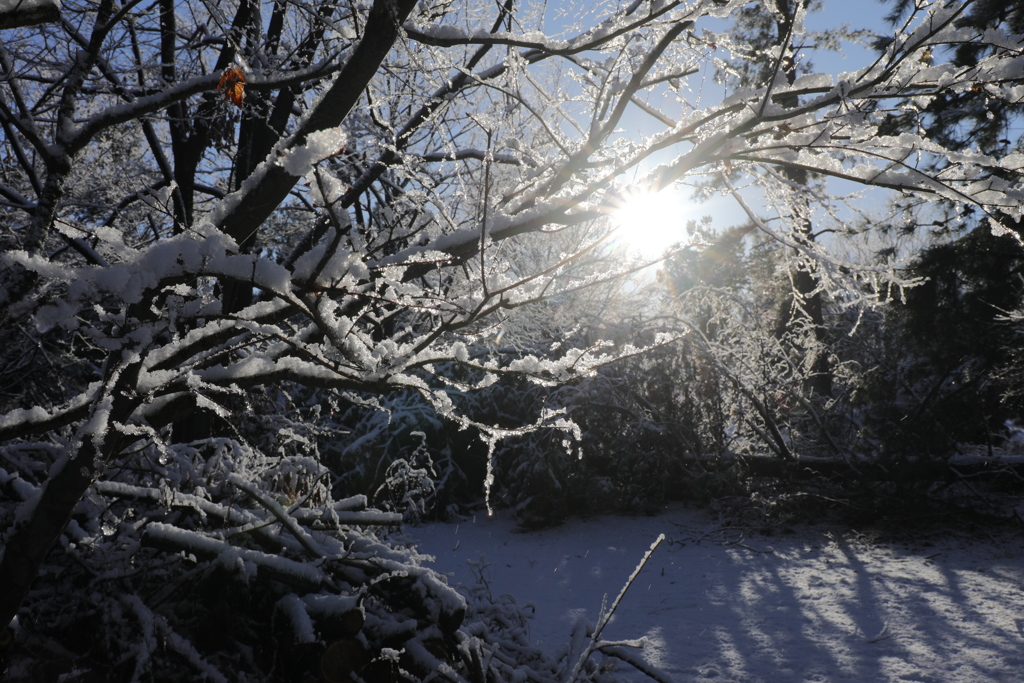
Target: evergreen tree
(957, 386)
(774, 39)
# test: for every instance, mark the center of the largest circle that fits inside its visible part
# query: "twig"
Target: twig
(785, 45)
(606, 616)
(882, 635)
(719, 533)
(638, 662)
(274, 508)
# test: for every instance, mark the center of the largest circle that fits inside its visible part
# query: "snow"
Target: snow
(441, 32)
(318, 145)
(234, 557)
(322, 604)
(368, 517)
(819, 604)
(813, 81)
(302, 625)
(23, 489)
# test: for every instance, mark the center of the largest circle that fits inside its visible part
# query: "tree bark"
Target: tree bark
(273, 186)
(19, 13)
(805, 282)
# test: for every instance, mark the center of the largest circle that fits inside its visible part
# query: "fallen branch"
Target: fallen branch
(637, 662)
(301, 576)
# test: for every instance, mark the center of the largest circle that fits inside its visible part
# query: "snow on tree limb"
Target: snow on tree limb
(19, 13)
(392, 190)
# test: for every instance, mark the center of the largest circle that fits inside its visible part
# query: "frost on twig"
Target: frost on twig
(604, 618)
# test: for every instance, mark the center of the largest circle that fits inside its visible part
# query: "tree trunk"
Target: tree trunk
(805, 282)
(273, 186)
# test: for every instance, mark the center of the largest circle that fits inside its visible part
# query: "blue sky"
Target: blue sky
(866, 14)
(856, 14)
(558, 15)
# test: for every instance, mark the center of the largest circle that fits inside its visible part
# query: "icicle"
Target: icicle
(489, 479)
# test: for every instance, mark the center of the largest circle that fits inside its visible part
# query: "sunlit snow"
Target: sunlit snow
(818, 604)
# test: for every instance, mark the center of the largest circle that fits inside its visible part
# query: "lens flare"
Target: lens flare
(648, 223)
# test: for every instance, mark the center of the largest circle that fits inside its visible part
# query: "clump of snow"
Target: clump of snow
(21, 488)
(295, 611)
(447, 32)
(322, 604)
(459, 352)
(318, 146)
(813, 81)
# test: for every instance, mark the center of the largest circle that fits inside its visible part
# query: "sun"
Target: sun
(648, 222)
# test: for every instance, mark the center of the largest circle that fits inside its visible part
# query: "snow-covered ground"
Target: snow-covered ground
(813, 605)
